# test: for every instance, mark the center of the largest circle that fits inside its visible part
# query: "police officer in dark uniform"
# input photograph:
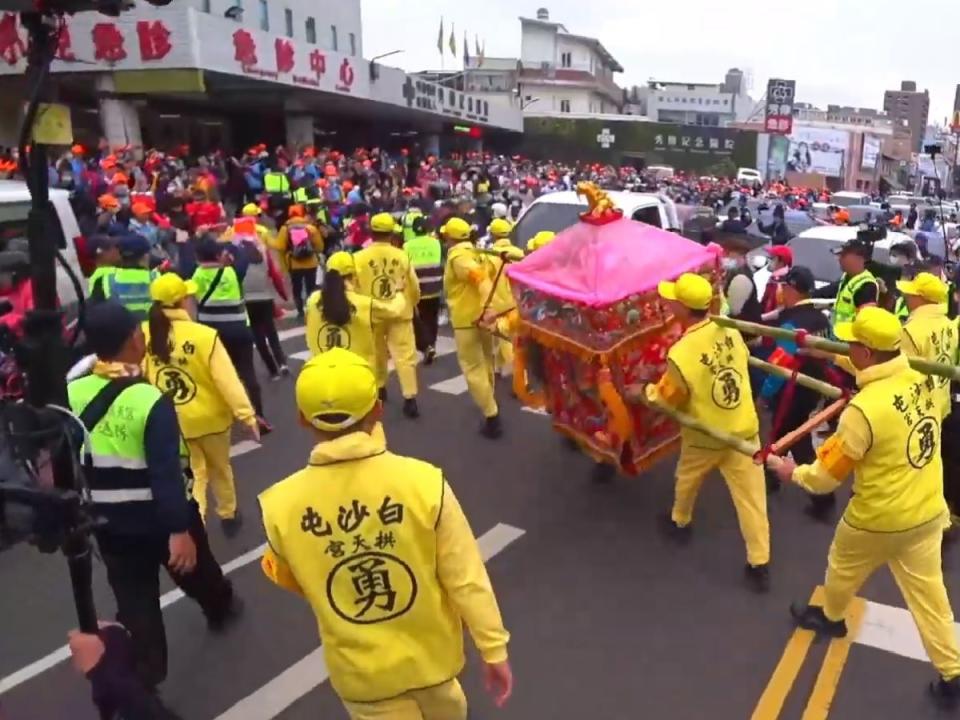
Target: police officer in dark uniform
(139, 487)
(857, 286)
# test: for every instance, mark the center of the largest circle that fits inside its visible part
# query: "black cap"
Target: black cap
(102, 243)
(108, 325)
(800, 279)
(864, 249)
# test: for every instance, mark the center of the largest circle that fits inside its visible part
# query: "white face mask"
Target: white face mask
(729, 263)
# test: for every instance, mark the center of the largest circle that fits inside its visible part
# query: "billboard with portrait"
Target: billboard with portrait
(823, 151)
(871, 152)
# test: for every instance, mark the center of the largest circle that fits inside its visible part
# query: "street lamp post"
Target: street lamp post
(375, 69)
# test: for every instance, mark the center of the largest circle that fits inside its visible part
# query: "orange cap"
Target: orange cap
(77, 150)
(108, 202)
(120, 179)
(296, 211)
(140, 208)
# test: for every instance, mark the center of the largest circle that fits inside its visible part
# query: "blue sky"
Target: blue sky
(839, 51)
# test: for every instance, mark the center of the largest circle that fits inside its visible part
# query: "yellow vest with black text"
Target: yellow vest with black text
(898, 484)
(464, 299)
(187, 380)
(356, 335)
(381, 269)
(713, 363)
(360, 539)
(936, 337)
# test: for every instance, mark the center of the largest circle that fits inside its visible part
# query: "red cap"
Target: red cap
(782, 253)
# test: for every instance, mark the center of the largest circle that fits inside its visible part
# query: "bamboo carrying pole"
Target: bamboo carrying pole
(951, 372)
(824, 388)
(636, 394)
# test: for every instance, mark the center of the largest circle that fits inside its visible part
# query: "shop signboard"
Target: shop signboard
(871, 152)
(778, 114)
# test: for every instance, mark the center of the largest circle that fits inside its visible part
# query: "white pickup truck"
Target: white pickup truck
(559, 210)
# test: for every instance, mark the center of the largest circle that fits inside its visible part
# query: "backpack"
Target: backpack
(300, 246)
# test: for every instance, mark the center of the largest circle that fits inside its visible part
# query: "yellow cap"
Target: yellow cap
(456, 229)
(691, 290)
(926, 285)
(342, 262)
(384, 223)
(169, 289)
(540, 239)
(874, 327)
(336, 389)
(251, 210)
(500, 228)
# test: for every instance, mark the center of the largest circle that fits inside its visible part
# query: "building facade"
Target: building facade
(705, 104)
(911, 107)
(233, 73)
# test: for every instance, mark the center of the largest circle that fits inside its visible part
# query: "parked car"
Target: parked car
(14, 209)
(558, 211)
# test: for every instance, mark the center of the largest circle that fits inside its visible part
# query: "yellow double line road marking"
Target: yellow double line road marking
(785, 675)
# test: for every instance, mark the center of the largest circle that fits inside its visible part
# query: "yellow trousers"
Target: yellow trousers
(210, 462)
(913, 557)
(396, 339)
(441, 702)
(475, 355)
(747, 488)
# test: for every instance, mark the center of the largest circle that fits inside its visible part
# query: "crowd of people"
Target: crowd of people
(188, 260)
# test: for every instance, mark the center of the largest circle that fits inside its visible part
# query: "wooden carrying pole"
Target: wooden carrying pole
(815, 421)
(636, 394)
(951, 372)
(824, 388)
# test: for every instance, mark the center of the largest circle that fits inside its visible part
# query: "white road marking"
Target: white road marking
(243, 447)
(454, 386)
(535, 411)
(445, 346)
(893, 630)
(292, 332)
(60, 654)
(311, 671)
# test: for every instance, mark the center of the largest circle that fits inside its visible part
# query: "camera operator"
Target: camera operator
(137, 485)
(104, 659)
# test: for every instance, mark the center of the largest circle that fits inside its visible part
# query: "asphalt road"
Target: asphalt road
(608, 621)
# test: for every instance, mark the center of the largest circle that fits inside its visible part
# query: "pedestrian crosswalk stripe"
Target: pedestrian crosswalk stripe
(243, 447)
(445, 346)
(454, 386)
(311, 671)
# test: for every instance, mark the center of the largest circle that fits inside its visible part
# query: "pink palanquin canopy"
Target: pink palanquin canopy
(599, 265)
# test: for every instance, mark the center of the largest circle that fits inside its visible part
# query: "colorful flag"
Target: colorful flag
(440, 37)
(466, 50)
(453, 40)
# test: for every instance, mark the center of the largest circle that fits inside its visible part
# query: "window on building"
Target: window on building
(264, 13)
(288, 22)
(566, 59)
(353, 44)
(333, 38)
(311, 31)
(565, 106)
(205, 6)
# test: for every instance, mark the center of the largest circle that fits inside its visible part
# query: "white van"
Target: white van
(14, 209)
(559, 210)
(848, 198)
(750, 176)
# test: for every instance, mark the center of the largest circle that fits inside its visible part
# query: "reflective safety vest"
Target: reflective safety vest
(364, 552)
(101, 274)
(381, 267)
(131, 288)
(187, 380)
(408, 218)
(356, 335)
(713, 363)
(223, 306)
(898, 484)
(276, 183)
(900, 309)
(426, 256)
(845, 310)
